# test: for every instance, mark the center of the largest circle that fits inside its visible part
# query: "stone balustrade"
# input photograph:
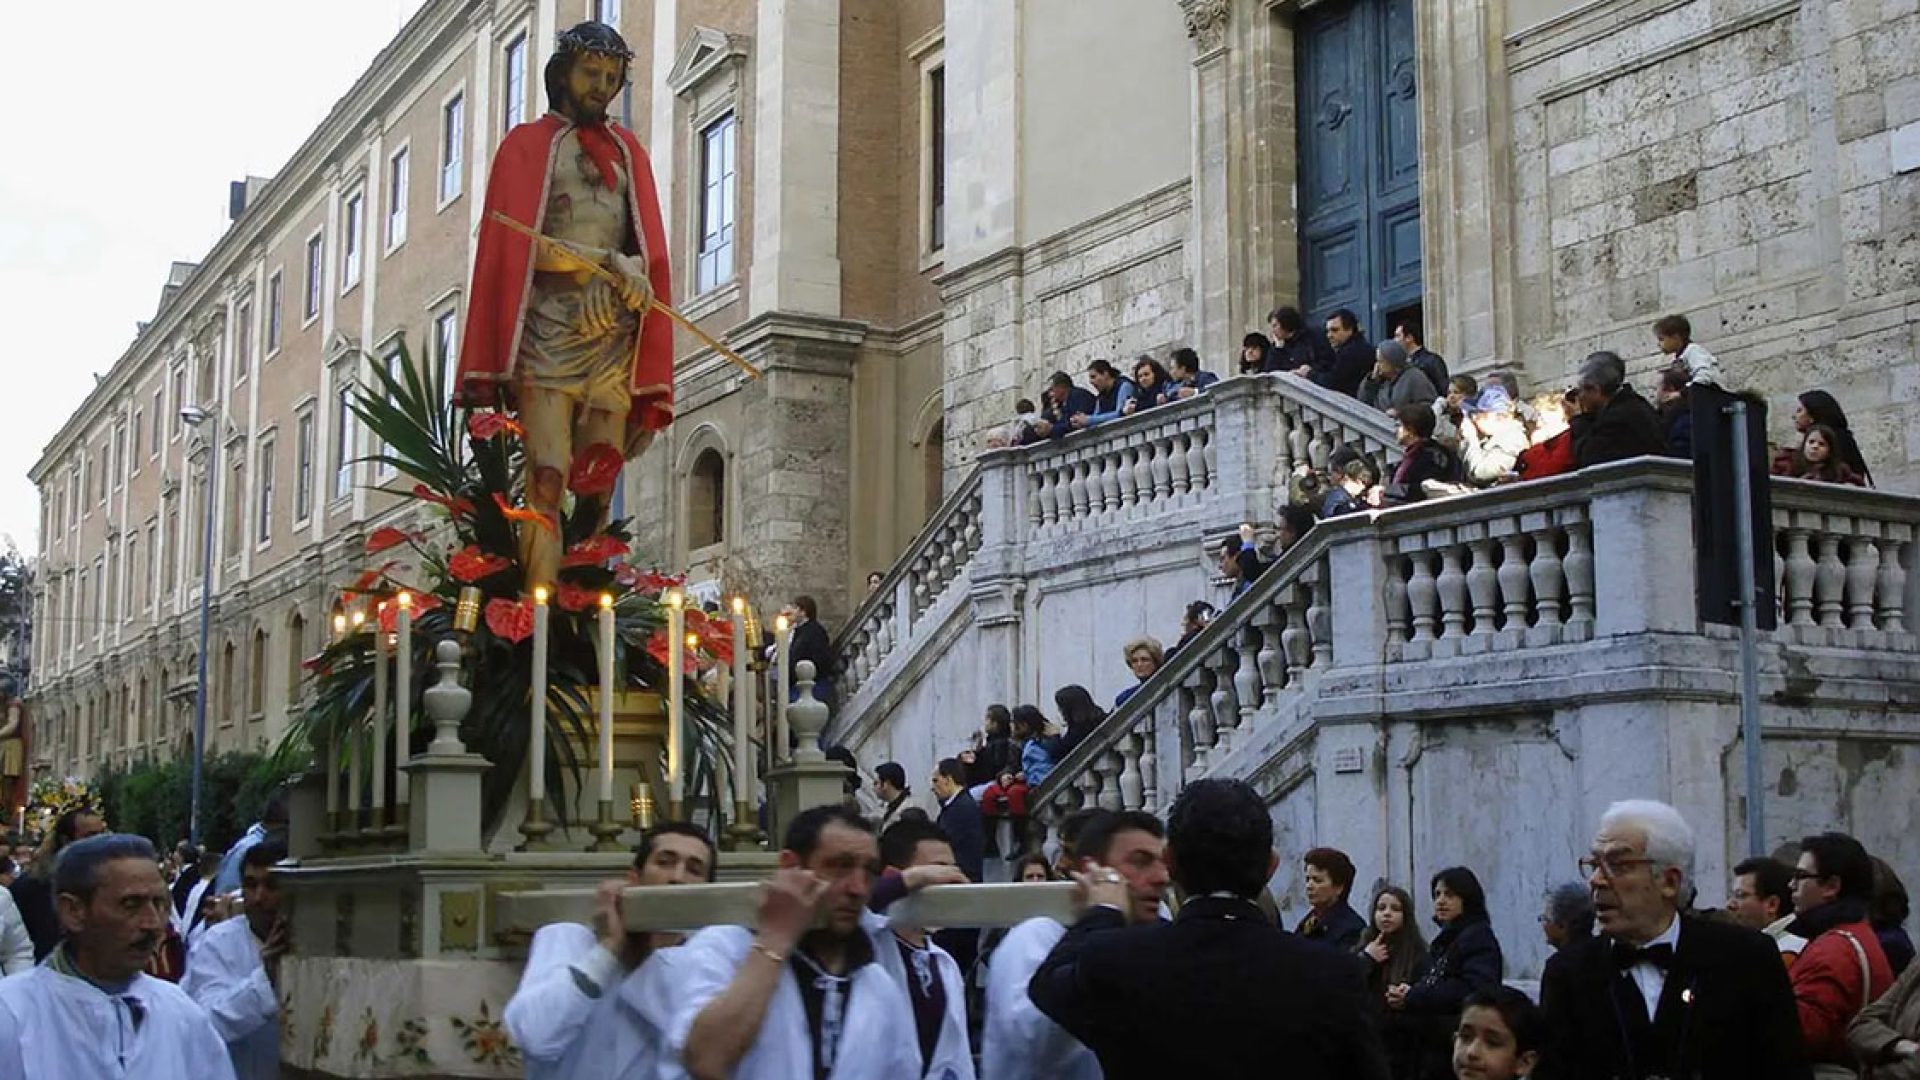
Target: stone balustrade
(1164, 461)
(1841, 566)
(935, 559)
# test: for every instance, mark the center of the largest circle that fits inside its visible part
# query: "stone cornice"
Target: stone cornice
(1207, 24)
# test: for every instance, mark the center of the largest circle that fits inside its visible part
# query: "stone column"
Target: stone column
(796, 159)
(998, 576)
(795, 458)
(1212, 235)
(1466, 185)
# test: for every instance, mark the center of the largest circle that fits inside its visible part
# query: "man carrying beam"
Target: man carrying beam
(918, 854)
(594, 1002)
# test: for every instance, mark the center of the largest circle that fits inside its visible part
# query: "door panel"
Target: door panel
(1359, 159)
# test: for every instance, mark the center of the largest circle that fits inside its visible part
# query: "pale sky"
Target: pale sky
(126, 126)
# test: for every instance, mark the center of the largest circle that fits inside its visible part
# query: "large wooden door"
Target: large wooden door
(1359, 160)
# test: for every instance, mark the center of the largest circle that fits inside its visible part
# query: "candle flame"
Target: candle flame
(693, 641)
(358, 618)
(781, 624)
(339, 623)
(675, 599)
(406, 599)
(739, 605)
(606, 599)
(539, 594)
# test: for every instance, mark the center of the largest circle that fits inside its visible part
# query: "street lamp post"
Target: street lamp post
(196, 416)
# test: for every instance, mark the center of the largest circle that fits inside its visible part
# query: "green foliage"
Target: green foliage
(154, 798)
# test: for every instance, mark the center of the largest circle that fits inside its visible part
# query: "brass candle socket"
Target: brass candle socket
(466, 610)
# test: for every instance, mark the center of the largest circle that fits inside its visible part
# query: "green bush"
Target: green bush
(153, 798)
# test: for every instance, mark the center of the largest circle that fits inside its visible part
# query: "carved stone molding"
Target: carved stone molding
(1207, 23)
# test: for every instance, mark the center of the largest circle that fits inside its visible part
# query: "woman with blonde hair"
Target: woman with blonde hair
(1144, 655)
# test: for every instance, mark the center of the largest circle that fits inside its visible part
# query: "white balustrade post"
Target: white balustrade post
(1639, 522)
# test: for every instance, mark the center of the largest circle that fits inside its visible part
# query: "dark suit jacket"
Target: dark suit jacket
(810, 642)
(1625, 427)
(1351, 364)
(967, 831)
(1218, 993)
(1340, 930)
(1080, 400)
(1741, 1023)
(1304, 349)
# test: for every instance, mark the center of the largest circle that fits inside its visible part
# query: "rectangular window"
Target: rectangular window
(453, 126)
(385, 470)
(123, 579)
(236, 510)
(148, 586)
(343, 442)
(397, 199)
(105, 458)
(179, 400)
(310, 307)
(516, 90)
(350, 242)
(446, 343)
(263, 519)
(159, 421)
(713, 265)
(607, 11)
(303, 470)
(242, 342)
(117, 464)
(274, 290)
(133, 444)
(937, 159)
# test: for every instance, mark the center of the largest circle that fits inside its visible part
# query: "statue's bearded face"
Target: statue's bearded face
(592, 84)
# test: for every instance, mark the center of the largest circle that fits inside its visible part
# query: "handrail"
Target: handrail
(917, 546)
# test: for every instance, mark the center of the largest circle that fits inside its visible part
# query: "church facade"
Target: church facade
(910, 212)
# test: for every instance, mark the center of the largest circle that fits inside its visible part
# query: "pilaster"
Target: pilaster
(796, 159)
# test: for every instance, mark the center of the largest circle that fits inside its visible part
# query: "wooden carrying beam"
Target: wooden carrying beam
(692, 907)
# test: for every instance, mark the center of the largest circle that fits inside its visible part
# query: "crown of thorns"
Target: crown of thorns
(594, 37)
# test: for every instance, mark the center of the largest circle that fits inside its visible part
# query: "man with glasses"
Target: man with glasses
(1762, 899)
(1843, 967)
(1658, 993)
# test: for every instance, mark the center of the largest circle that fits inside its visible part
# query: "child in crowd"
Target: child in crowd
(1450, 410)
(1006, 797)
(1675, 335)
(1818, 460)
(1037, 757)
(1019, 430)
(1499, 1035)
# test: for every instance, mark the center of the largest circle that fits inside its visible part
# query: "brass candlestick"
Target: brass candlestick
(641, 807)
(606, 831)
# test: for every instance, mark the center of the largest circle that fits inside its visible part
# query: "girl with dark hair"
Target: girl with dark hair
(1079, 713)
(1154, 383)
(1039, 752)
(1819, 458)
(1817, 408)
(1033, 868)
(993, 751)
(1499, 1036)
(1464, 958)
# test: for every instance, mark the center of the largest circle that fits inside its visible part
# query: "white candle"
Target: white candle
(333, 744)
(379, 719)
(353, 743)
(783, 640)
(676, 632)
(537, 703)
(606, 697)
(403, 699)
(742, 707)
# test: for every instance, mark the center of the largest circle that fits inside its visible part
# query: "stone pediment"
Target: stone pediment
(704, 52)
(341, 345)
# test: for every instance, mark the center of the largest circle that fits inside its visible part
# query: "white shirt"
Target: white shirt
(878, 1042)
(578, 1013)
(16, 948)
(54, 1025)
(1701, 365)
(1790, 944)
(227, 977)
(953, 1053)
(1649, 977)
(1020, 1041)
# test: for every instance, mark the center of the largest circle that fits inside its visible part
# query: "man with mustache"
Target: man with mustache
(234, 973)
(1659, 993)
(801, 994)
(88, 1012)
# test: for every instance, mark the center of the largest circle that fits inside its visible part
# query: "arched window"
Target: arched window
(257, 674)
(296, 648)
(228, 701)
(933, 467)
(707, 500)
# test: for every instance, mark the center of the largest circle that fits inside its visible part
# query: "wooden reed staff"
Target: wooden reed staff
(654, 302)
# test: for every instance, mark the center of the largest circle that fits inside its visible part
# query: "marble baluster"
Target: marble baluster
(1296, 640)
(1483, 585)
(1199, 697)
(1452, 587)
(1149, 768)
(1226, 705)
(1578, 568)
(1890, 593)
(1036, 489)
(1106, 766)
(1128, 478)
(1423, 596)
(1863, 565)
(1800, 574)
(1515, 582)
(1299, 440)
(1162, 467)
(1320, 614)
(1548, 578)
(1283, 457)
(1396, 600)
(1078, 496)
(1829, 581)
(1197, 459)
(1177, 444)
(1246, 677)
(1132, 791)
(1143, 471)
(1270, 658)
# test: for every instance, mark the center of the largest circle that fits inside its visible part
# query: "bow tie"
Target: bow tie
(1626, 956)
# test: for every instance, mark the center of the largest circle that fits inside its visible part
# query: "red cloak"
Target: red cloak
(503, 272)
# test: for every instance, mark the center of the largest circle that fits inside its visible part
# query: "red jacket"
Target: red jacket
(1826, 986)
(1550, 458)
(503, 272)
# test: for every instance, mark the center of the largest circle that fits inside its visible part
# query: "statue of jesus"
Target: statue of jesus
(561, 329)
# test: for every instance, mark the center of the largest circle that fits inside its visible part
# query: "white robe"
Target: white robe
(879, 1040)
(227, 977)
(54, 1025)
(615, 1033)
(953, 1054)
(16, 948)
(1020, 1041)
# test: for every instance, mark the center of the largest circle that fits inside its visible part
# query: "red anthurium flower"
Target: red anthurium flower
(456, 506)
(717, 642)
(512, 513)
(486, 425)
(316, 662)
(382, 539)
(657, 647)
(366, 581)
(510, 620)
(576, 598)
(470, 564)
(390, 611)
(595, 469)
(646, 580)
(594, 551)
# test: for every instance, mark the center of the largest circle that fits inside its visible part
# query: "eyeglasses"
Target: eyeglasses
(1799, 876)
(1611, 866)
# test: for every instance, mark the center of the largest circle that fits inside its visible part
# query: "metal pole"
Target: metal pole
(206, 616)
(1749, 630)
